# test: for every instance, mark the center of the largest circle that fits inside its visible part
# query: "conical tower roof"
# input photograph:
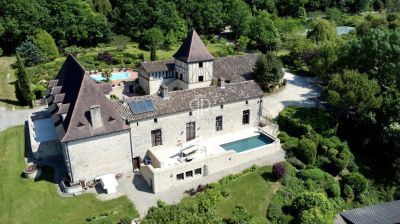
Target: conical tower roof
(193, 49)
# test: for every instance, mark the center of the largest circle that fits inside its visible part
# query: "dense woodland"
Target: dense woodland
(360, 71)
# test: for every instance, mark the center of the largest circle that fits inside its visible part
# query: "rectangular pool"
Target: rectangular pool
(248, 143)
(114, 76)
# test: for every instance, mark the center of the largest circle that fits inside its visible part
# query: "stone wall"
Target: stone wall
(173, 127)
(161, 179)
(104, 154)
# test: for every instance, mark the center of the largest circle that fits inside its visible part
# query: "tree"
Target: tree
(46, 44)
(241, 43)
(268, 70)
(102, 6)
(289, 7)
(323, 30)
(22, 87)
(263, 33)
(73, 22)
(32, 55)
(21, 18)
(375, 54)
(106, 74)
(352, 89)
(239, 16)
(153, 39)
(120, 41)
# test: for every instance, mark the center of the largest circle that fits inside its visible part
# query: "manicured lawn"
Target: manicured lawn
(28, 201)
(254, 191)
(7, 90)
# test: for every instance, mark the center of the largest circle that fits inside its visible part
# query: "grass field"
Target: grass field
(28, 201)
(7, 90)
(253, 191)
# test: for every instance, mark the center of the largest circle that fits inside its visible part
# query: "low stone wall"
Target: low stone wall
(42, 150)
(161, 179)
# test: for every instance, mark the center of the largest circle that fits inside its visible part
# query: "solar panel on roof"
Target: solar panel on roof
(141, 106)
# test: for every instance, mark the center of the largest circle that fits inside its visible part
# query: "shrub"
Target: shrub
(314, 215)
(348, 192)
(106, 57)
(291, 144)
(209, 200)
(279, 170)
(298, 121)
(306, 151)
(357, 182)
(126, 220)
(225, 193)
(317, 180)
(310, 200)
(314, 136)
(296, 163)
(241, 215)
(274, 212)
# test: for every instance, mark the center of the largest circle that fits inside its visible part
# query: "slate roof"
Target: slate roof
(75, 93)
(186, 100)
(231, 68)
(235, 68)
(193, 49)
(385, 213)
(158, 66)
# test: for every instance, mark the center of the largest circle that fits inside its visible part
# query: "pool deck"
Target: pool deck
(119, 82)
(203, 149)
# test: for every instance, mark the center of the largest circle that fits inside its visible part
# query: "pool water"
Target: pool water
(114, 76)
(248, 143)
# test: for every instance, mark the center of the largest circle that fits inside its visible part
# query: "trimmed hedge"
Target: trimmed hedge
(306, 151)
(317, 180)
(298, 121)
(357, 182)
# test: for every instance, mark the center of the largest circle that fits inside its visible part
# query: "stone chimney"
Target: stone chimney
(164, 92)
(95, 116)
(221, 83)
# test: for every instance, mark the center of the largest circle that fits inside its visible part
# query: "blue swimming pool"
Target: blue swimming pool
(114, 76)
(248, 143)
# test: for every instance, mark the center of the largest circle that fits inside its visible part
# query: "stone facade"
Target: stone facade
(103, 154)
(161, 179)
(173, 127)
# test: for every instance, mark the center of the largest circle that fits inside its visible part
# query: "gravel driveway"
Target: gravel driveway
(299, 91)
(9, 118)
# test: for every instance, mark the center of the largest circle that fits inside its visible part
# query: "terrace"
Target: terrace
(181, 164)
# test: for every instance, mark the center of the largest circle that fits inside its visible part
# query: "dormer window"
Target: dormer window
(201, 65)
(111, 119)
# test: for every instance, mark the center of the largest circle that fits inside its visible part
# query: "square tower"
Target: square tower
(193, 62)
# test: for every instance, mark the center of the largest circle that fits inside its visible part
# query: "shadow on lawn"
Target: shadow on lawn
(268, 176)
(11, 102)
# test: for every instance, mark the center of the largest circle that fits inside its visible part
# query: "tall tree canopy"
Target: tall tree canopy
(323, 30)
(352, 89)
(268, 70)
(263, 33)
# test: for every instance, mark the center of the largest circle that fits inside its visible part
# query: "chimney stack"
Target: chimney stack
(95, 116)
(164, 92)
(221, 83)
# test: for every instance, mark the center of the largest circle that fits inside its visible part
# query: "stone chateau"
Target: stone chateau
(170, 136)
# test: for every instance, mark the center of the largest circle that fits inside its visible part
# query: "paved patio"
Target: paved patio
(299, 91)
